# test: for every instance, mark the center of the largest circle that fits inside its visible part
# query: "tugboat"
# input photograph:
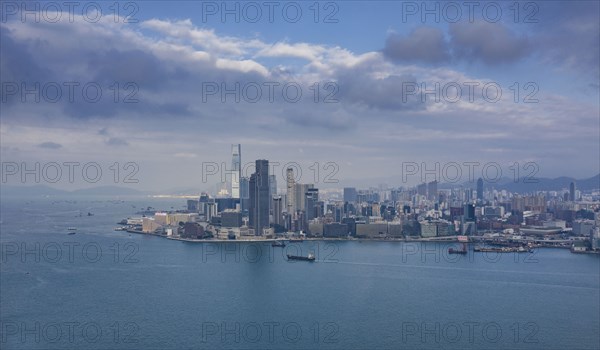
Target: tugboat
(278, 244)
(310, 257)
(463, 250)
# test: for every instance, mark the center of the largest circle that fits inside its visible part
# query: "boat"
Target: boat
(310, 257)
(278, 244)
(90, 214)
(463, 250)
(72, 229)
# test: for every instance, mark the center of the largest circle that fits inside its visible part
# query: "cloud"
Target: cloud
(490, 43)
(115, 141)
(50, 145)
(424, 44)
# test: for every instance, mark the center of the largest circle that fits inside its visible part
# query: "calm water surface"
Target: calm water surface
(104, 289)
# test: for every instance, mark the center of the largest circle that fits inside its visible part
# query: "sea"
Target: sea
(106, 289)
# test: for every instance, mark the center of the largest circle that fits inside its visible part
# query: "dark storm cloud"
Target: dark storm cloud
(491, 43)
(50, 145)
(424, 44)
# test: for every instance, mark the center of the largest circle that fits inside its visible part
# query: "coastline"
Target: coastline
(452, 239)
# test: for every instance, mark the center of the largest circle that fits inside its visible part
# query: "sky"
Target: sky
(360, 90)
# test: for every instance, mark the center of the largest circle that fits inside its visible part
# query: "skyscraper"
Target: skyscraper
(350, 194)
(236, 170)
(277, 210)
(272, 189)
(432, 191)
(259, 197)
(311, 199)
(299, 195)
(290, 187)
(572, 191)
(480, 189)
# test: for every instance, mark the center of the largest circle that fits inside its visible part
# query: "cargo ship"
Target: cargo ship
(310, 257)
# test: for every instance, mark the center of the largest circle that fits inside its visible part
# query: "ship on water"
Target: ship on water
(310, 257)
(462, 250)
(278, 244)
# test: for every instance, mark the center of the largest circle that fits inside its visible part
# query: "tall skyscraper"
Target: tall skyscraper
(259, 197)
(236, 170)
(432, 191)
(272, 189)
(277, 210)
(572, 191)
(299, 195)
(311, 199)
(480, 189)
(290, 191)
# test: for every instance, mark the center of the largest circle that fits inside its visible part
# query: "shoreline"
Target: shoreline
(478, 240)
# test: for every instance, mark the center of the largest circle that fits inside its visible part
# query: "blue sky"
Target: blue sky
(372, 51)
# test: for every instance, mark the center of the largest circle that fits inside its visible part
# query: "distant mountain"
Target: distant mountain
(108, 191)
(35, 190)
(43, 190)
(537, 184)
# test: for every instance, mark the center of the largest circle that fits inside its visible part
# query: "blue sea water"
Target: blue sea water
(106, 289)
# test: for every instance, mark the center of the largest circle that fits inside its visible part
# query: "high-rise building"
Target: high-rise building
(422, 189)
(432, 191)
(236, 170)
(469, 212)
(259, 197)
(272, 189)
(311, 199)
(300, 195)
(244, 194)
(277, 210)
(572, 191)
(350, 194)
(480, 189)
(290, 191)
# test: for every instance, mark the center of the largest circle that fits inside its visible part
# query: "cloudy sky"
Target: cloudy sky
(514, 84)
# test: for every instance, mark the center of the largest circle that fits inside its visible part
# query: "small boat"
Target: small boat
(90, 214)
(72, 229)
(310, 257)
(278, 244)
(463, 250)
